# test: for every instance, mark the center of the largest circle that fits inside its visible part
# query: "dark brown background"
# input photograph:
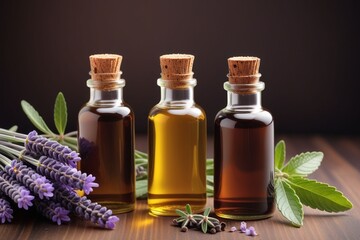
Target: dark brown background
(309, 51)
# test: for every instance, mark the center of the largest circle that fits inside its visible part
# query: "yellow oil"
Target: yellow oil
(177, 160)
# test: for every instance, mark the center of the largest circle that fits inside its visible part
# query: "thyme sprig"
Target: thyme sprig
(186, 218)
(204, 222)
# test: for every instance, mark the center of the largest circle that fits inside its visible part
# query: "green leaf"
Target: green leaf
(181, 213)
(209, 191)
(140, 154)
(209, 166)
(289, 203)
(303, 164)
(210, 185)
(140, 161)
(60, 113)
(207, 211)
(141, 188)
(319, 195)
(13, 128)
(188, 209)
(35, 118)
(71, 140)
(210, 180)
(204, 226)
(280, 154)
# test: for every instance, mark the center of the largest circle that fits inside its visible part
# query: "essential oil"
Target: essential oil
(177, 142)
(106, 136)
(244, 147)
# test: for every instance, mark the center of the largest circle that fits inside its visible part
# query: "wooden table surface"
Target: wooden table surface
(340, 167)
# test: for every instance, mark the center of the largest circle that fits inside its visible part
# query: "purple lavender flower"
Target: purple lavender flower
(19, 194)
(52, 211)
(86, 148)
(42, 188)
(25, 198)
(42, 146)
(110, 223)
(66, 174)
(233, 229)
(35, 182)
(250, 231)
(5, 211)
(91, 211)
(84, 208)
(243, 227)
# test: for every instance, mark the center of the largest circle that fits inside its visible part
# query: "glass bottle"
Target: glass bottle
(177, 142)
(106, 136)
(243, 148)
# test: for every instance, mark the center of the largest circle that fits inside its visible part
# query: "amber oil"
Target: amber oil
(243, 150)
(106, 139)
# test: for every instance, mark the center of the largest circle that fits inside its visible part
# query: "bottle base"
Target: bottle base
(232, 216)
(118, 207)
(114, 203)
(166, 205)
(244, 209)
(169, 210)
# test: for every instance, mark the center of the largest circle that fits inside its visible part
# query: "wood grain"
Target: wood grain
(341, 168)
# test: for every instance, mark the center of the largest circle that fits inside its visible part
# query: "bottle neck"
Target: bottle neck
(244, 101)
(109, 93)
(244, 97)
(177, 93)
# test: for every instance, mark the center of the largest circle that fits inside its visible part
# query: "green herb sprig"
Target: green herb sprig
(204, 222)
(60, 120)
(292, 187)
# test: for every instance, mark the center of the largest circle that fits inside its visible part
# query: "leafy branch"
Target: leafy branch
(293, 189)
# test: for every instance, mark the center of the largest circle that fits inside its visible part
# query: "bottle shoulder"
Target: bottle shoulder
(247, 119)
(121, 110)
(195, 111)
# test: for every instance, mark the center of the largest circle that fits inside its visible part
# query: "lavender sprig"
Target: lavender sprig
(65, 174)
(52, 211)
(84, 208)
(40, 145)
(38, 184)
(243, 227)
(91, 211)
(251, 231)
(19, 194)
(56, 170)
(5, 210)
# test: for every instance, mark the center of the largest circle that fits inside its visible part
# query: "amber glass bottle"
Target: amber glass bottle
(244, 143)
(106, 136)
(177, 141)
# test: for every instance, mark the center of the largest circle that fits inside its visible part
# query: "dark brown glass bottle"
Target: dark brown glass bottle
(244, 149)
(106, 139)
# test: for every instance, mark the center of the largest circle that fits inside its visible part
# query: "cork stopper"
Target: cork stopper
(105, 66)
(244, 70)
(176, 67)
